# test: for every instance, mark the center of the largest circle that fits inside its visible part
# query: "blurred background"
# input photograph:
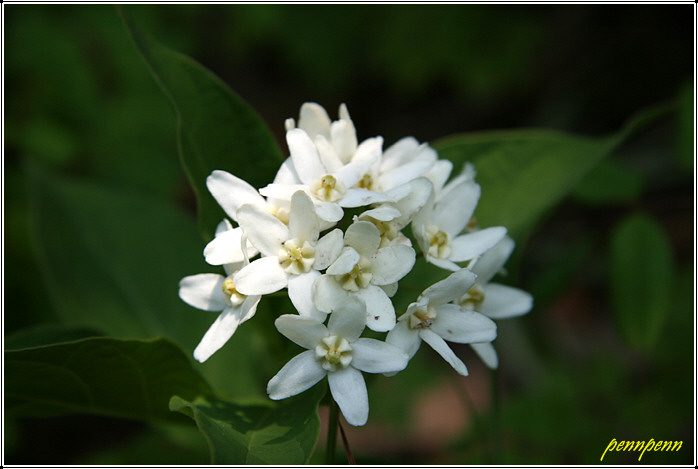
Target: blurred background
(80, 102)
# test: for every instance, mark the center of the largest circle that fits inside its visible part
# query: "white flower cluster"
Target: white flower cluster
(291, 228)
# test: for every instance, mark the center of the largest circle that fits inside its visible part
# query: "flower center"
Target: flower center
(473, 298)
(359, 277)
(439, 243)
(232, 296)
(328, 189)
(280, 213)
(334, 353)
(387, 230)
(422, 318)
(296, 258)
(366, 182)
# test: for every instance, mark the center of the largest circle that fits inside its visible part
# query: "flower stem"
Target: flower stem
(332, 433)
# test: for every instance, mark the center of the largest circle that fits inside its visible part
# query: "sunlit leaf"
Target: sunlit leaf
(280, 433)
(641, 279)
(131, 379)
(524, 173)
(216, 129)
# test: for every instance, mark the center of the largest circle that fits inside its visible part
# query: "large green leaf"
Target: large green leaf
(284, 433)
(523, 173)
(131, 379)
(216, 129)
(641, 279)
(112, 261)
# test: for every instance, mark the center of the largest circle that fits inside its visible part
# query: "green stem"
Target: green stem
(332, 433)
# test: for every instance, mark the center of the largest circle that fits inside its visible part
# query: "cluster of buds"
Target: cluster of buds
(341, 272)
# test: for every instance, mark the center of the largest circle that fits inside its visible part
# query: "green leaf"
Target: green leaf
(216, 129)
(524, 173)
(612, 181)
(284, 433)
(641, 279)
(46, 334)
(131, 379)
(112, 261)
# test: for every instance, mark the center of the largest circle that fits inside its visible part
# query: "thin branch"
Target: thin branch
(350, 456)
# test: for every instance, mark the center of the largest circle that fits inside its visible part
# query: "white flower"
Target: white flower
(391, 217)
(226, 247)
(290, 254)
(494, 300)
(438, 225)
(336, 139)
(213, 292)
(326, 178)
(231, 193)
(335, 351)
(433, 320)
(367, 271)
(401, 163)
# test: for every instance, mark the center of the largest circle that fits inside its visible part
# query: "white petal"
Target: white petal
(463, 326)
(452, 287)
(303, 223)
(282, 191)
(328, 155)
(391, 263)
(380, 313)
(404, 338)
(203, 291)
(492, 261)
(326, 292)
(266, 232)
(399, 153)
(420, 221)
(442, 348)
(357, 197)
(471, 245)
(420, 189)
(261, 277)
(452, 213)
(306, 159)
(404, 174)
(328, 211)
(364, 237)
(346, 261)
(502, 301)
(443, 263)
(487, 353)
(225, 248)
(328, 248)
(389, 289)
(382, 213)
(299, 374)
(224, 327)
(286, 173)
(344, 139)
(314, 120)
(300, 288)
(348, 318)
(306, 332)
(231, 192)
(367, 153)
(349, 391)
(439, 173)
(376, 356)
(223, 226)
